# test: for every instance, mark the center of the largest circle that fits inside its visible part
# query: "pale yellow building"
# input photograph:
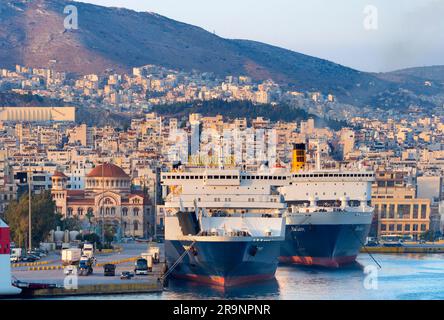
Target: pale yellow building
(397, 210)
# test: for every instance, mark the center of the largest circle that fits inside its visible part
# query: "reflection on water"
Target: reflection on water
(182, 289)
(401, 277)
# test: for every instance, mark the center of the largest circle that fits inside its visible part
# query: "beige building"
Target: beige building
(397, 209)
(81, 134)
(108, 198)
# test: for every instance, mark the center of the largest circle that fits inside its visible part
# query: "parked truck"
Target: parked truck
(86, 266)
(149, 260)
(155, 253)
(16, 255)
(88, 250)
(141, 267)
(71, 256)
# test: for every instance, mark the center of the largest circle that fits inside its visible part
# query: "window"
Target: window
(383, 227)
(415, 211)
(391, 211)
(415, 227)
(399, 227)
(423, 227)
(404, 211)
(407, 227)
(70, 210)
(80, 211)
(383, 211)
(423, 211)
(136, 212)
(125, 211)
(391, 227)
(136, 226)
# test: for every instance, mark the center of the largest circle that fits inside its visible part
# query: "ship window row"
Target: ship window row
(183, 177)
(274, 177)
(334, 175)
(264, 178)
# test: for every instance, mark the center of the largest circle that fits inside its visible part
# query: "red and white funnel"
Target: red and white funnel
(6, 287)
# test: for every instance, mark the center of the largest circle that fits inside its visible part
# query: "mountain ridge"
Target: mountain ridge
(32, 34)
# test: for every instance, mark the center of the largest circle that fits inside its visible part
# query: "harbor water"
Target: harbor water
(401, 277)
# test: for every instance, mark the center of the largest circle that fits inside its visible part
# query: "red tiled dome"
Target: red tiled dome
(59, 174)
(109, 171)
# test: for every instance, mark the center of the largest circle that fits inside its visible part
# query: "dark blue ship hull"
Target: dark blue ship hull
(224, 263)
(329, 245)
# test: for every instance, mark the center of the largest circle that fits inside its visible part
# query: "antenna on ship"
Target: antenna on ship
(318, 155)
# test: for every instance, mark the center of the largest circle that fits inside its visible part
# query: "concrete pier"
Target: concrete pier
(97, 289)
(50, 271)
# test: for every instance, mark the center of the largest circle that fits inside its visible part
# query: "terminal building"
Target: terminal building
(37, 114)
(398, 210)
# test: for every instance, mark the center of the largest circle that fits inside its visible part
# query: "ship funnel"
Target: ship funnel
(298, 157)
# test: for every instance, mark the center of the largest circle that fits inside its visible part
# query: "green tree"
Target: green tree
(89, 215)
(110, 232)
(92, 238)
(428, 235)
(44, 218)
(71, 224)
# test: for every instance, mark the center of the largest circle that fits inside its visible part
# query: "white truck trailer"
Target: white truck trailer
(71, 256)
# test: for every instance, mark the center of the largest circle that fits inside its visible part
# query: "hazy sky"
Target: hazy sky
(410, 32)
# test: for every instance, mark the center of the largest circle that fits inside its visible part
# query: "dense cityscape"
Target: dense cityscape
(142, 157)
(407, 154)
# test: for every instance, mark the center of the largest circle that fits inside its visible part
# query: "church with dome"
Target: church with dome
(107, 198)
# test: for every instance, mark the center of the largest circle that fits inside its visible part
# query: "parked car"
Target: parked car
(109, 270)
(126, 275)
(41, 253)
(70, 270)
(34, 253)
(29, 258)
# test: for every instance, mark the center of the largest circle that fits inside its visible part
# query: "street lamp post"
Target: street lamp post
(29, 210)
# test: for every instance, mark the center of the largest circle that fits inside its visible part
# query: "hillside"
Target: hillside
(32, 34)
(242, 109)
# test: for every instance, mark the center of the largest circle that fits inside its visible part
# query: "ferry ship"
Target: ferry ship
(223, 227)
(329, 216)
(6, 287)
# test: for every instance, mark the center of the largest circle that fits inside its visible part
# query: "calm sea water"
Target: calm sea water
(402, 277)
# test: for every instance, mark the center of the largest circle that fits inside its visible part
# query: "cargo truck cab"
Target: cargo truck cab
(141, 267)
